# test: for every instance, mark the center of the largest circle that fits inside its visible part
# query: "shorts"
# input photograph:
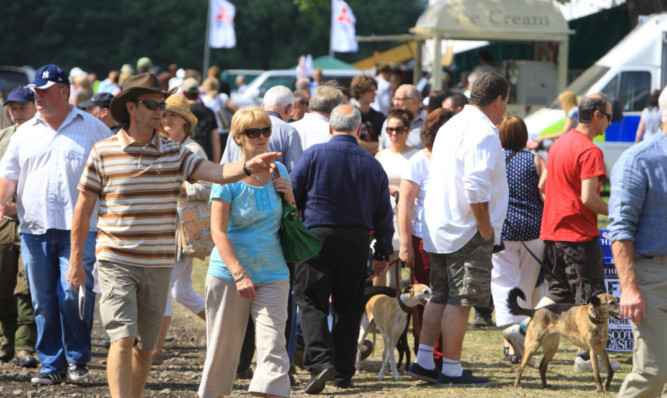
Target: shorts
(580, 265)
(133, 301)
(463, 277)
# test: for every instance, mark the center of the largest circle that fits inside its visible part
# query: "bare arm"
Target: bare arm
(370, 147)
(7, 189)
(540, 166)
(590, 197)
(641, 128)
(543, 181)
(632, 301)
(80, 226)
(232, 172)
(219, 224)
(215, 144)
(406, 204)
(481, 213)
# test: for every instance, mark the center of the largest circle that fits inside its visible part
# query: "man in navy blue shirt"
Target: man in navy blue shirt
(343, 193)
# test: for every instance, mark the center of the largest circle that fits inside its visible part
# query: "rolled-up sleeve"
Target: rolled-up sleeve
(628, 193)
(477, 162)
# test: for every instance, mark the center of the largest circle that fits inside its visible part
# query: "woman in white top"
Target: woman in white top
(650, 121)
(414, 183)
(178, 124)
(394, 160)
(218, 102)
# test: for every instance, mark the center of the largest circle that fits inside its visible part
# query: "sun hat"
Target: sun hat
(145, 83)
(180, 105)
(47, 76)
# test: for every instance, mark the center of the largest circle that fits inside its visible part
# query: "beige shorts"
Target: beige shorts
(133, 301)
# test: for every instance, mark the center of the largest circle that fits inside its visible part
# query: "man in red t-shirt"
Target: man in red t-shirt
(574, 172)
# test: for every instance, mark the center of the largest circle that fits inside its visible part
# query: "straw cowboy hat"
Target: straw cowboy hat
(133, 87)
(180, 106)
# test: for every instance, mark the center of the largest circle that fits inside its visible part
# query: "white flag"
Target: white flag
(221, 23)
(342, 28)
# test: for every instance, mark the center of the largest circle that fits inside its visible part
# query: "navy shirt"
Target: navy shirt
(338, 183)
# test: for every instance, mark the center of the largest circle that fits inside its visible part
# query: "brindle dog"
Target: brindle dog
(584, 325)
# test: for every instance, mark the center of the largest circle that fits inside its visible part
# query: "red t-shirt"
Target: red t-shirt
(572, 158)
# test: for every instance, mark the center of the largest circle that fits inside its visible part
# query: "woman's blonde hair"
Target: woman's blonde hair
(567, 100)
(244, 118)
(210, 87)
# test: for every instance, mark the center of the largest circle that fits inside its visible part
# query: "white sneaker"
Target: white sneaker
(516, 339)
(582, 366)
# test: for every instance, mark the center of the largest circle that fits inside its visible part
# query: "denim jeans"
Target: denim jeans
(61, 335)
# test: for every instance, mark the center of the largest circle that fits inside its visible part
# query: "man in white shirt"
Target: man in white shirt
(382, 101)
(43, 165)
(464, 211)
(314, 127)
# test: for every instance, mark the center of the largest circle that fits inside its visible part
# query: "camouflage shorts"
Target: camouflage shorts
(464, 276)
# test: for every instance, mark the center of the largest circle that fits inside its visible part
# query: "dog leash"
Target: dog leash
(544, 266)
(391, 263)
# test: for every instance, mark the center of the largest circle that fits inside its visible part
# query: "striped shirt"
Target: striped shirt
(138, 188)
(47, 166)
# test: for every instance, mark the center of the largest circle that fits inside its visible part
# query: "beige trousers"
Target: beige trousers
(226, 320)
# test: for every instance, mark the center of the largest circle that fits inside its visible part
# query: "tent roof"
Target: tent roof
(327, 62)
(496, 20)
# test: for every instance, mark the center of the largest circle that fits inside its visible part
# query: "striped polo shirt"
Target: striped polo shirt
(138, 188)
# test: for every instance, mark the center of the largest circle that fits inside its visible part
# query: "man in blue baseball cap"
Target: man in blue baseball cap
(42, 165)
(98, 106)
(16, 314)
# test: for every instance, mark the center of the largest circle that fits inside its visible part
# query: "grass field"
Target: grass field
(482, 353)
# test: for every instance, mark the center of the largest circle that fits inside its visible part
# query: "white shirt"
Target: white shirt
(48, 166)
(418, 171)
(394, 164)
(382, 101)
(313, 129)
(467, 166)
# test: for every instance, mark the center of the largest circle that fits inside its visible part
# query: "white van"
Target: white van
(628, 73)
(254, 94)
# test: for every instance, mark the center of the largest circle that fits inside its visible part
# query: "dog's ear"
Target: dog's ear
(594, 300)
(407, 289)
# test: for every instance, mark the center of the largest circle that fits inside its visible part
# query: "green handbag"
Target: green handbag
(299, 244)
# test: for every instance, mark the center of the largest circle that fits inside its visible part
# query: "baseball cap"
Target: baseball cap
(190, 85)
(47, 76)
(103, 100)
(20, 94)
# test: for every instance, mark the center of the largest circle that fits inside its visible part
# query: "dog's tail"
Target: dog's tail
(513, 304)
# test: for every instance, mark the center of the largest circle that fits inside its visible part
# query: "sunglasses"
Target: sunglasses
(152, 105)
(397, 130)
(606, 114)
(254, 133)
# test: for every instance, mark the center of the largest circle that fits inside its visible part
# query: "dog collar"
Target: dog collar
(401, 304)
(595, 318)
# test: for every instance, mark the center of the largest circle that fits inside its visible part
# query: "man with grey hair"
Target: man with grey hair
(343, 194)
(278, 103)
(406, 97)
(314, 127)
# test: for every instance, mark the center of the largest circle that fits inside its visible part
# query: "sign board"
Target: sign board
(620, 332)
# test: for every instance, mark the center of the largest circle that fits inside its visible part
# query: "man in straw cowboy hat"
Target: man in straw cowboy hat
(43, 164)
(136, 175)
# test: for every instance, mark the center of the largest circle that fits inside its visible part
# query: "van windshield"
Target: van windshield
(583, 82)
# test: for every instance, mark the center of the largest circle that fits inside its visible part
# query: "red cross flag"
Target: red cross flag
(221, 20)
(342, 28)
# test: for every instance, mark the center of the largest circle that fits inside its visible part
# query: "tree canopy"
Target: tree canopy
(99, 36)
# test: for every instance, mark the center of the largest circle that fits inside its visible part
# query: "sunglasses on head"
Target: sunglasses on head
(397, 130)
(254, 133)
(152, 105)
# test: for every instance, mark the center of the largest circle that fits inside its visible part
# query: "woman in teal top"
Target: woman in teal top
(247, 273)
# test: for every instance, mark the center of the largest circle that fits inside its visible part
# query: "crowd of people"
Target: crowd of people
(93, 177)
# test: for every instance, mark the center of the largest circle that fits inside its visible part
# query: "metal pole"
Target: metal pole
(331, 52)
(207, 48)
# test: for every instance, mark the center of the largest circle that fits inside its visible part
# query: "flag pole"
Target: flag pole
(207, 48)
(331, 52)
